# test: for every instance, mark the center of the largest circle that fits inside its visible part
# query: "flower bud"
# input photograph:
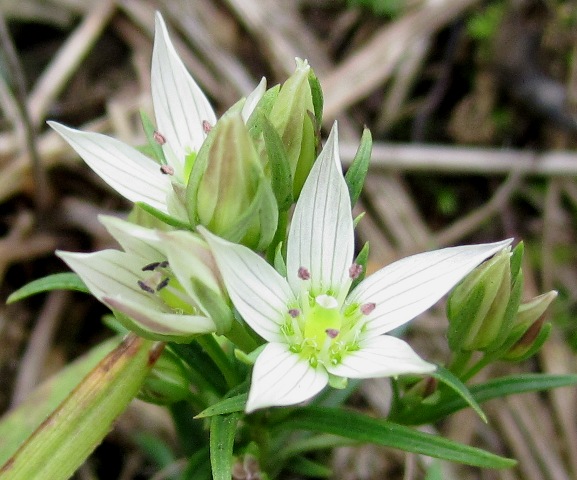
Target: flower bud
(481, 308)
(227, 191)
(167, 382)
(529, 330)
(293, 116)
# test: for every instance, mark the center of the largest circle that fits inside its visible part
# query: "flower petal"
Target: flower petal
(321, 233)
(252, 100)
(411, 285)
(280, 377)
(180, 106)
(258, 292)
(134, 239)
(382, 356)
(129, 172)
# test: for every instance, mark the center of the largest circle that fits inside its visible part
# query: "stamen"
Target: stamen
(355, 270)
(145, 287)
(367, 308)
(159, 138)
(294, 312)
(167, 169)
(162, 284)
(332, 332)
(206, 126)
(304, 274)
(163, 264)
(151, 266)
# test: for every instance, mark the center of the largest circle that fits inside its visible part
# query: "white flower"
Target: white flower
(151, 282)
(183, 116)
(316, 330)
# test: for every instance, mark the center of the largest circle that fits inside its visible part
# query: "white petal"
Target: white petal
(252, 100)
(134, 239)
(256, 289)
(129, 172)
(180, 106)
(321, 233)
(281, 377)
(382, 356)
(411, 285)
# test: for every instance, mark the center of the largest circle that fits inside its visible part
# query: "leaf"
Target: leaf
(65, 439)
(364, 428)
(500, 387)
(222, 433)
(228, 405)
(308, 468)
(459, 388)
(57, 281)
(356, 173)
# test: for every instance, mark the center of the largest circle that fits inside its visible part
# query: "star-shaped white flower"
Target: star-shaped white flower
(314, 327)
(151, 282)
(184, 117)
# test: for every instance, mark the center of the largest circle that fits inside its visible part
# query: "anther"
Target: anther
(167, 169)
(145, 287)
(332, 332)
(159, 138)
(304, 274)
(294, 312)
(151, 266)
(206, 126)
(355, 270)
(162, 284)
(367, 308)
(163, 264)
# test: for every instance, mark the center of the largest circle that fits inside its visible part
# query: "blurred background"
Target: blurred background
(473, 108)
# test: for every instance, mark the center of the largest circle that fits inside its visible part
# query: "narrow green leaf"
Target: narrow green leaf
(364, 428)
(228, 405)
(356, 173)
(308, 468)
(163, 217)
(66, 438)
(57, 281)
(500, 387)
(281, 178)
(445, 376)
(222, 433)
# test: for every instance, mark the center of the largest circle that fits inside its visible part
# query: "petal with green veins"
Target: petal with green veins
(409, 286)
(280, 377)
(258, 292)
(180, 106)
(382, 356)
(321, 233)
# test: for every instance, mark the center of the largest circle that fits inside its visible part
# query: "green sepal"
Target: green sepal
(164, 217)
(542, 337)
(516, 260)
(154, 147)
(279, 262)
(228, 405)
(281, 178)
(222, 433)
(362, 259)
(262, 109)
(56, 281)
(366, 428)
(357, 172)
(214, 305)
(317, 97)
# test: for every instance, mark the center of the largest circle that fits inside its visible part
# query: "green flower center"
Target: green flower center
(323, 321)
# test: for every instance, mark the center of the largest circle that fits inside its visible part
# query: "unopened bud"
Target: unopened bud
(167, 382)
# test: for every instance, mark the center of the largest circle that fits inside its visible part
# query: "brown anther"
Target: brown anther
(206, 126)
(162, 284)
(332, 332)
(355, 270)
(145, 287)
(167, 169)
(151, 266)
(368, 308)
(294, 312)
(159, 138)
(163, 264)
(304, 274)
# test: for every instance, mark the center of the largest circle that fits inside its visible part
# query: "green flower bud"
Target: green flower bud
(482, 307)
(167, 382)
(293, 116)
(227, 191)
(529, 330)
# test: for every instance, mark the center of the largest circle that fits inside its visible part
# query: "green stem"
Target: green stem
(219, 357)
(477, 367)
(459, 364)
(241, 338)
